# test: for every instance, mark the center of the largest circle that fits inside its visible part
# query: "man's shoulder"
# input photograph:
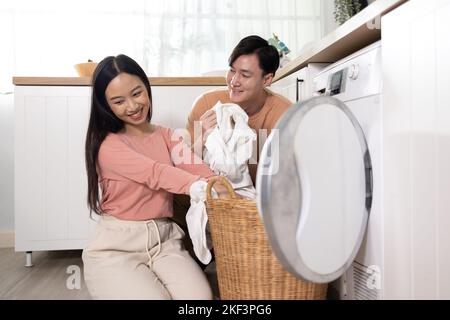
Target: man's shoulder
(208, 100)
(279, 101)
(278, 104)
(211, 97)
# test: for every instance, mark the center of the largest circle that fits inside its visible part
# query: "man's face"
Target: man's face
(245, 80)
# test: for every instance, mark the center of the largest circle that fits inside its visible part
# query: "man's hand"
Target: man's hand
(209, 122)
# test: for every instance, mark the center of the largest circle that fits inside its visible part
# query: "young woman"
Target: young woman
(137, 250)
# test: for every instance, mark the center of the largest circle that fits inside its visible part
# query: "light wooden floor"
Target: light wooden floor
(47, 279)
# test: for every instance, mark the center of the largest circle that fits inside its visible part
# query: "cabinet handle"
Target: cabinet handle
(297, 93)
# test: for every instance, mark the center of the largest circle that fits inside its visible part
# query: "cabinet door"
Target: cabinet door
(298, 86)
(172, 104)
(306, 89)
(416, 120)
(50, 176)
(286, 87)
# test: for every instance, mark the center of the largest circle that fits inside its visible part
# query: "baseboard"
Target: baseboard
(6, 239)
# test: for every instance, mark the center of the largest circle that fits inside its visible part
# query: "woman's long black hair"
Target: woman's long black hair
(102, 120)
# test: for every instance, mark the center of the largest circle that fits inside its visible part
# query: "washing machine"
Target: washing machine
(319, 180)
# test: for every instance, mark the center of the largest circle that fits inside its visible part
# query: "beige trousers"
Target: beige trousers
(142, 260)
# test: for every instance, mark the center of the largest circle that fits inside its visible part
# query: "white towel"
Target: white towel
(229, 147)
(197, 220)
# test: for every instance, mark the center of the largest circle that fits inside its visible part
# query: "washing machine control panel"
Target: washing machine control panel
(336, 82)
(356, 76)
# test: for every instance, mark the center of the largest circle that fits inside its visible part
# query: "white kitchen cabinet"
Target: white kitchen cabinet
(416, 68)
(286, 87)
(50, 178)
(298, 86)
(305, 77)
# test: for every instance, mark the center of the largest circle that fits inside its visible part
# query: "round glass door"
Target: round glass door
(314, 189)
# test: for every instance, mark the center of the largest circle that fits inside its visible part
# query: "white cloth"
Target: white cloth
(229, 147)
(197, 219)
(227, 151)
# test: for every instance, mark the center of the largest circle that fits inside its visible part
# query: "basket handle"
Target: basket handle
(222, 180)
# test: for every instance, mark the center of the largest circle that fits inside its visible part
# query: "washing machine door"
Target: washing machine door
(314, 188)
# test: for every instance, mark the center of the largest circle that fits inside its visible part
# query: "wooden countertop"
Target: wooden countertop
(86, 81)
(356, 33)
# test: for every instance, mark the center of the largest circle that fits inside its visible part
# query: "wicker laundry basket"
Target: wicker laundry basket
(246, 267)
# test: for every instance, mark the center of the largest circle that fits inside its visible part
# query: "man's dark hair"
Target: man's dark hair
(268, 56)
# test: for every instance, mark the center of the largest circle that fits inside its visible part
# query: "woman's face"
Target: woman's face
(128, 99)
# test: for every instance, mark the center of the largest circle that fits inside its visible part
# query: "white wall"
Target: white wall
(6, 163)
(327, 13)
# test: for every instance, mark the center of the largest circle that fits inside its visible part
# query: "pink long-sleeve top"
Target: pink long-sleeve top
(138, 175)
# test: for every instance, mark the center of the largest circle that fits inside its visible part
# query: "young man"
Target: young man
(253, 64)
